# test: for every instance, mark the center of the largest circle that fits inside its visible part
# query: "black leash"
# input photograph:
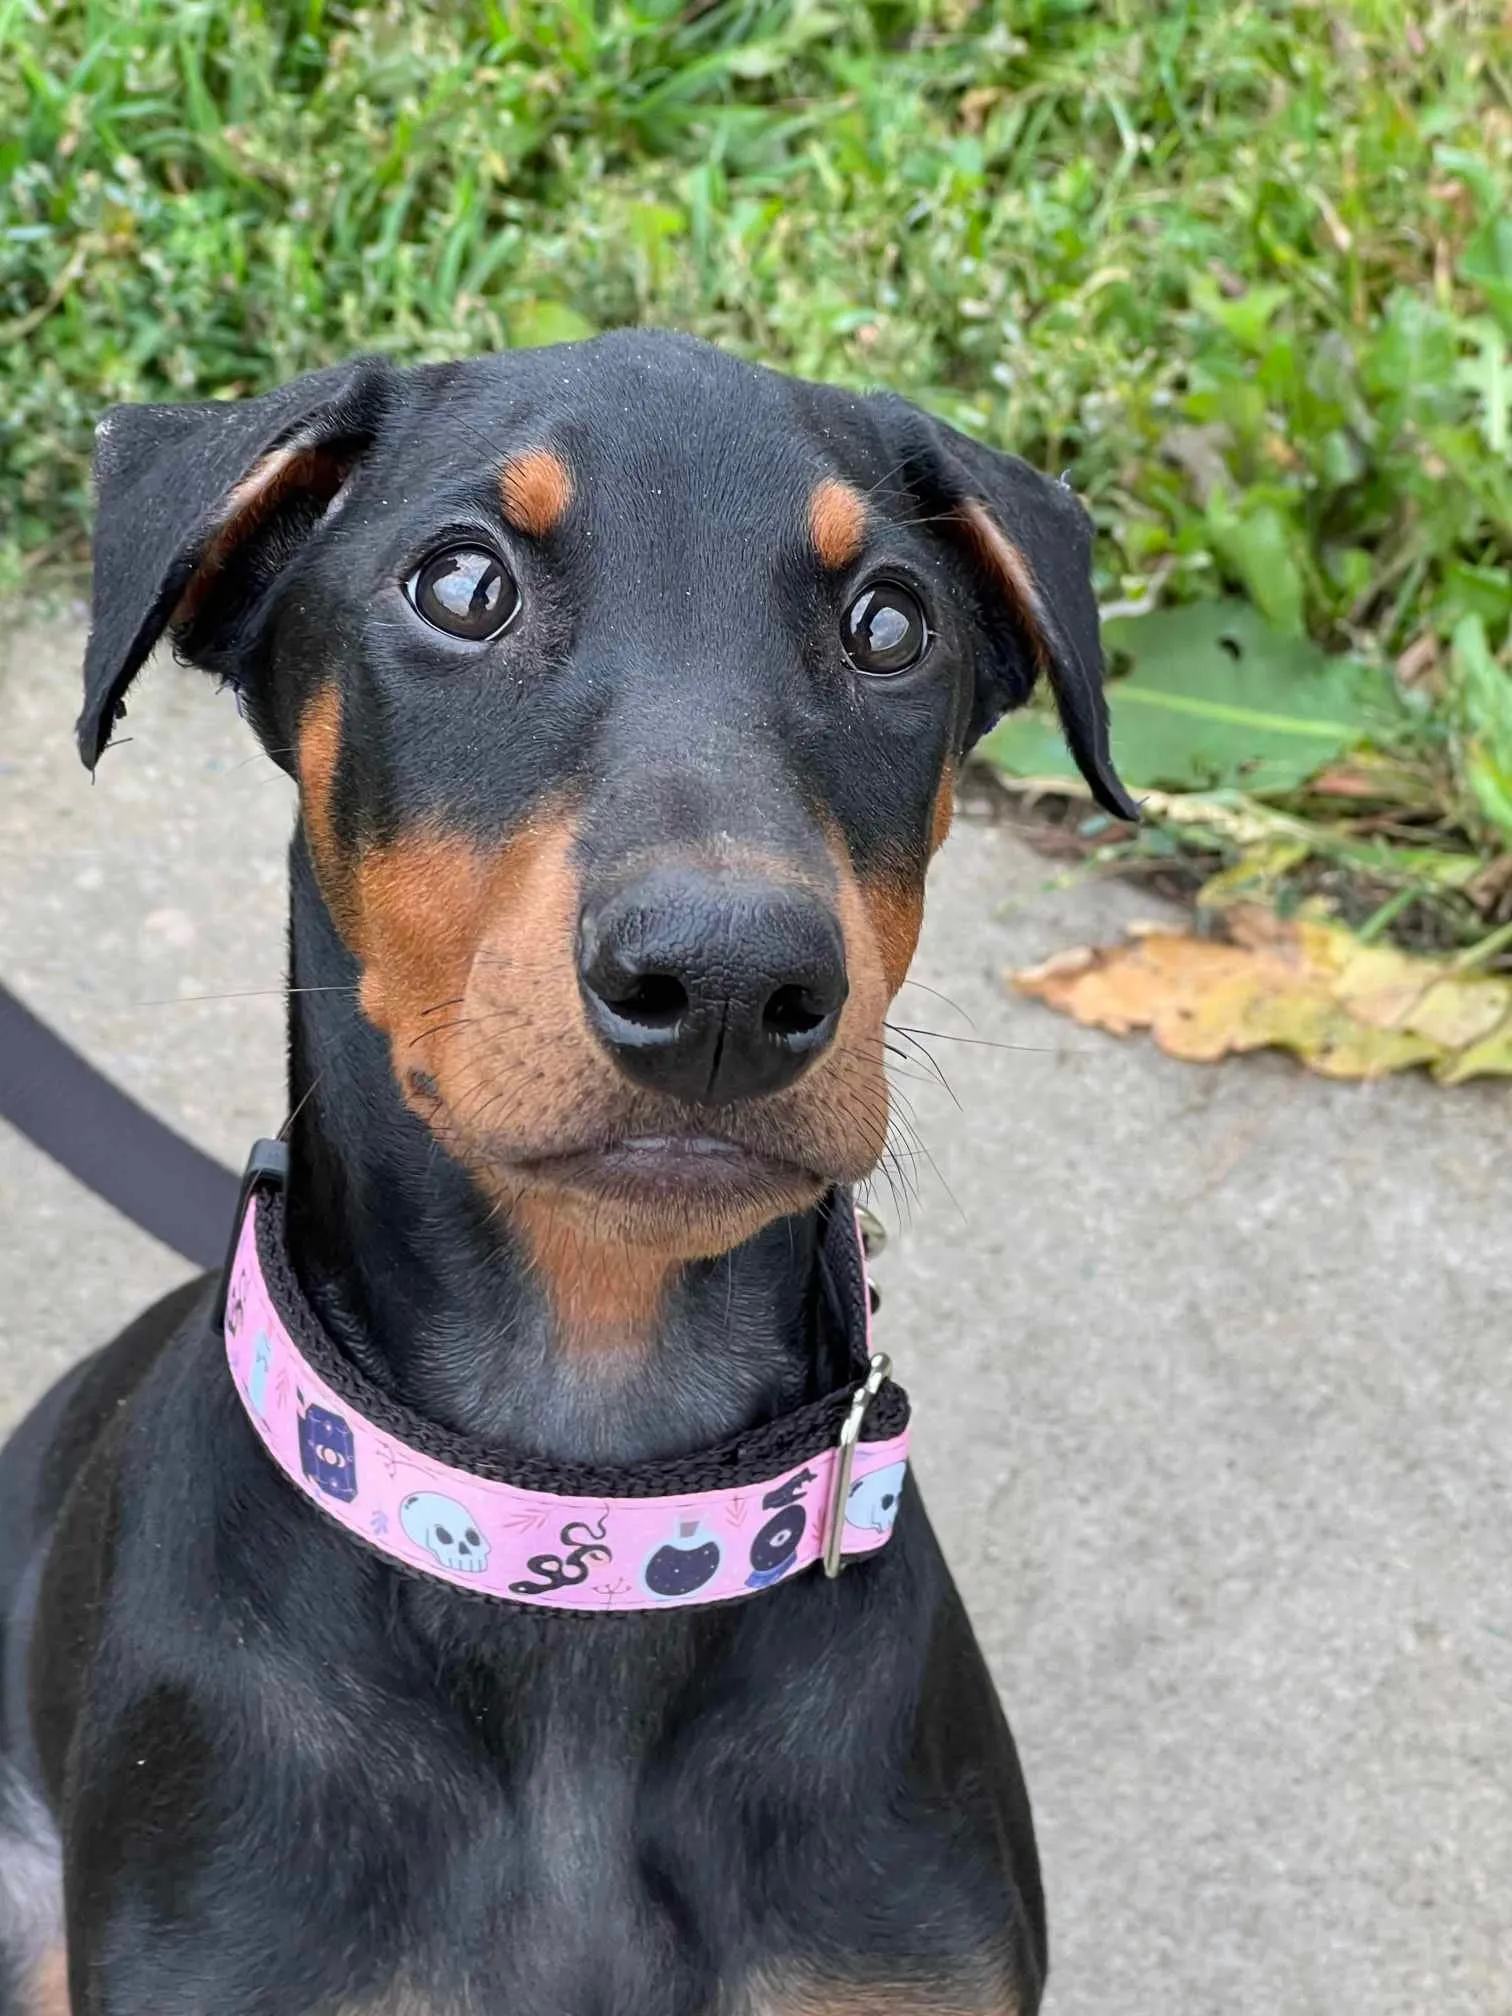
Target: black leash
(109, 1143)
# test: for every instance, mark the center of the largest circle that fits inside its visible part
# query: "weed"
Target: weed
(1243, 267)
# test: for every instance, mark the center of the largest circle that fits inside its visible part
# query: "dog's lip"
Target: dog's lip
(674, 1162)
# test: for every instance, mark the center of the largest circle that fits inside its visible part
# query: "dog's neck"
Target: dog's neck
(426, 1284)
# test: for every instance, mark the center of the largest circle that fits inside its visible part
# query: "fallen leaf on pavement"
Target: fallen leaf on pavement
(1303, 984)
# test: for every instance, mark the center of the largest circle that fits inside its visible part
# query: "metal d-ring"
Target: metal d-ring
(878, 1372)
(873, 1232)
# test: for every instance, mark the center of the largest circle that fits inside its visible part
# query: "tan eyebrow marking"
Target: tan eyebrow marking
(837, 522)
(537, 489)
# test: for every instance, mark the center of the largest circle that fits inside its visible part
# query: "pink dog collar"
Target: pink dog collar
(704, 1529)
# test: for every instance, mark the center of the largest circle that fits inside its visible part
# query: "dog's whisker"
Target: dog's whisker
(886, 477)
(955, 1006)
(300, 1104)
(992, 1042)
(917, 1049)
(235, 994)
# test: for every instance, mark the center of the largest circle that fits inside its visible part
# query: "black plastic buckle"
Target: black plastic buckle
(268, 1163)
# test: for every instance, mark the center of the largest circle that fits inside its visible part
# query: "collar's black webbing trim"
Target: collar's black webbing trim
(109, 1143)
(761, 1453)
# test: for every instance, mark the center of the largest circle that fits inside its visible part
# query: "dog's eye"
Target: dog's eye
(465, 591)
(884, 630)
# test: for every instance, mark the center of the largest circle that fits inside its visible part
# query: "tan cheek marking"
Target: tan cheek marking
(837, 522)
(469, 970)
(419, 913)
(522, 1025)
(537, 489)
(944, 809)
(845, 1095)
(895, 905)
(998, 554)
(47, 1991)
(604, 1292)
(319, 748)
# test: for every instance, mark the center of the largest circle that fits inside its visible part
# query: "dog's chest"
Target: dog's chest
(760, 1995)
(531, 1899)
(573, 1900)
(599, 1923)
(812, 1998)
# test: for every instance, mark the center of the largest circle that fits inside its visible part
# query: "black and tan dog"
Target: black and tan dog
(625, 687)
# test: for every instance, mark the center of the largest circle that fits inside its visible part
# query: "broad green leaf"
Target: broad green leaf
(1245, 317)
(533, 324)
(1484, 697)
(1489, 376)
(1487, 264)
(1415, 350)
(653, 222)
(1476, 590)
(1478, 175)
(1260, 546)
(1214, 697)
(1028, 745)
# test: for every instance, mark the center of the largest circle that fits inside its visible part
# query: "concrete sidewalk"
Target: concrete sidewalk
(1211, 1369)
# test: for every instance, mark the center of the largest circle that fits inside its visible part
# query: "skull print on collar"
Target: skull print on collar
(724, 1523)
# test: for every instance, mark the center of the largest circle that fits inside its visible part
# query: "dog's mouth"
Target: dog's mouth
(707, 1170)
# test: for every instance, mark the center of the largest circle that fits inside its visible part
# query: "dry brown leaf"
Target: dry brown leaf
(1346, 1009)
(1419, 663)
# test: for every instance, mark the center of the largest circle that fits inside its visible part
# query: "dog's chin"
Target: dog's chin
(688, 1195)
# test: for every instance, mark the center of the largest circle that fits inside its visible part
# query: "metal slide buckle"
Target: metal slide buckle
(877, 1374)
(873, 1232)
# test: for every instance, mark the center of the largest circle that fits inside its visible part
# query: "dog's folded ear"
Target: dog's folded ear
(196, 507)
(1030, 543)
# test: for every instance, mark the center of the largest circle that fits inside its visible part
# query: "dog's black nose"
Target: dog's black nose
(711, 987)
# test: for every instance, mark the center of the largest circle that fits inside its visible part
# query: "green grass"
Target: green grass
(1244, 269)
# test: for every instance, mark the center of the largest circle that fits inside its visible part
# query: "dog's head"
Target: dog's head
(625, 686)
